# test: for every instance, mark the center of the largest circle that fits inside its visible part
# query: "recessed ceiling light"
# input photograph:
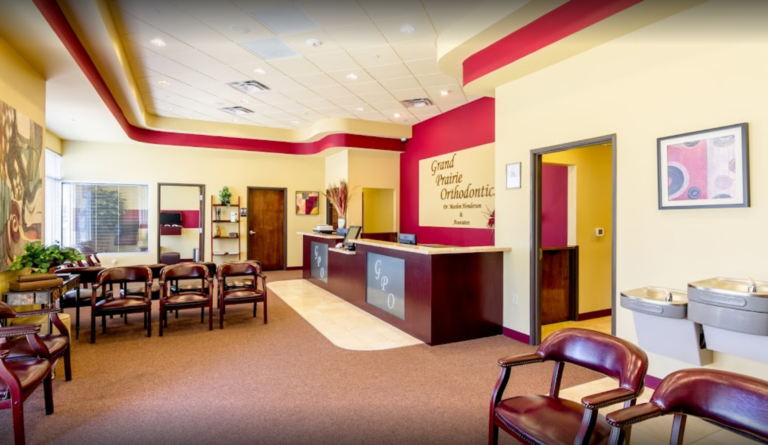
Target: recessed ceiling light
(259, 71)
(234, 120)
(444, 92)
(359, 109)
(169, 108)
(157, 42)
(314, 43)
(164, 83)
(396, 115)
(245, 101)
(352, 76)
(374, 56)
(407, 29)
(240, 29)
(295, 122)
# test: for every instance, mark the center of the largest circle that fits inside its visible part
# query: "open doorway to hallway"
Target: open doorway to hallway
(573, 237)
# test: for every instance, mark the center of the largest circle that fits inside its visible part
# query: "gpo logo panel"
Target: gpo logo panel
(319, 261)
(385, 284)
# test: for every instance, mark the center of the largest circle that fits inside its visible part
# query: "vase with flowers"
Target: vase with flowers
(338, 195)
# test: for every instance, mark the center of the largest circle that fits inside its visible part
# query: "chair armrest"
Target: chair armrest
(519, 360)
(4, 353)
(603, 399)
(22, 329)
(38, 312)
(634, 414)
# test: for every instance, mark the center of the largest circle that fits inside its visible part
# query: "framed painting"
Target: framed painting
(704, 169)
(513, 175)
(307, 203)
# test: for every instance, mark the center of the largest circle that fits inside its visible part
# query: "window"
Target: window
(52, 197)
(104, 217)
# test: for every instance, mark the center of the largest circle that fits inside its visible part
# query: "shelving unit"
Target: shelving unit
(222, 247)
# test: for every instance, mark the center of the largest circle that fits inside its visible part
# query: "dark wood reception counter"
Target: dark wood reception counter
(436, 294)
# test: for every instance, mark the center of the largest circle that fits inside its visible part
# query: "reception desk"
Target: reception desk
(436, 294)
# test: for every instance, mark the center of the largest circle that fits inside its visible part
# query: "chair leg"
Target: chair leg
(77, 321)
(93, 327)
(265, 310)
(163, 316)
(493, 435)
(145, 320)
(18, 424)
(210, 316)
(67, 364)
(125, 318)
(149, 322)
(177, 314)
(48, 392)
(221, 315)
(202, 315)
(104, 324)
(254, 309)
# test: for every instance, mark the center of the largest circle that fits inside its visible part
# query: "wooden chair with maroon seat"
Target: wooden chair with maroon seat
(550, 420)
(20, 378)
(241, 295)
(731, 401)
(115, 302)
(77, 298)
(57, 345)
(198, 298)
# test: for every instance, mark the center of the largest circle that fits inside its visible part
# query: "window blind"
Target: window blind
(52, 197)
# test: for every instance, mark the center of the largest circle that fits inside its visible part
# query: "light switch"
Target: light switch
(599, 231)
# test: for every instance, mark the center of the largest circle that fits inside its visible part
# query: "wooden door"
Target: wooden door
(266, 227)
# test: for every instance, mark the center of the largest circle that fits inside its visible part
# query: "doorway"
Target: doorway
(267, 226)
(180, 215)
(573, 245)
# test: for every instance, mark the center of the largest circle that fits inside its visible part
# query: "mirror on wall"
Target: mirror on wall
(181, 214)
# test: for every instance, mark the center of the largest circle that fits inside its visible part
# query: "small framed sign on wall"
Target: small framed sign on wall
(513, 175)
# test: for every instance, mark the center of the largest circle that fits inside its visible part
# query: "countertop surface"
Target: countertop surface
(321, 235)
(425, 250)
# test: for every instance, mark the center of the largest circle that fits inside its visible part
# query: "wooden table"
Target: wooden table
(44, 297)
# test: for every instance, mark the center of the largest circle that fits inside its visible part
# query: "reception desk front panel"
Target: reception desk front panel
(438, 298)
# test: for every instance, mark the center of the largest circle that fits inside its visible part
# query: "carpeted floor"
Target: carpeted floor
(280, 383)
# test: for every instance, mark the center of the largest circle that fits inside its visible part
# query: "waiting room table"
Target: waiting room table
(44, 297)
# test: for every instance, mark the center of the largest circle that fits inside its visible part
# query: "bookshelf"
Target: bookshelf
(226, 246)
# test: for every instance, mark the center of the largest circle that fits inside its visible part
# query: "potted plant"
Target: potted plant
(224, 195)
(41, 258)
(338, 195)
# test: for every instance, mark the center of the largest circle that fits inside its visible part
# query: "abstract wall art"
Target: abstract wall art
(307, 203)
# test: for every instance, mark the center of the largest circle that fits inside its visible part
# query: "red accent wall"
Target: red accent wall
(554, 205)
(465, 127)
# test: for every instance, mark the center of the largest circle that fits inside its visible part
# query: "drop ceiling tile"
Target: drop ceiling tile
(348, 101)
(295, 66)
(331, 111)
(365, 87)
(382, 10)
(279, 115)
(390, 106)
(284, 18)
(422, 28)
(434, 91)
(416, 49)
(171, 45)
(157, 13)
(273, 98)
(203, 10)
(413, 93)
(402, 83)
(207, 65)
(316, 104)
(429, 80)
(293, 107)
(444, 13)
(239, 27)
(196, 34)
(377, 98)
(425, 117)
(360, 35)
(449, 100)
(422, 111)
(341, 77)
(171, 68)
(375, 55)
(128, 24)
(298, 42)
(302, 95)
(140, 71)
(281, 84)
(134, 51)
(313, 116)
(229, 54)
(423, 66)
(333, 13)
(270, 72)
(448, 107)
(338, 61)
(316, 80)
(386, 72)
(370, 116)
(332, 91)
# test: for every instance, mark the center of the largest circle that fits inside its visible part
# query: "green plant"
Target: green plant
(41, 258)
(224, 195)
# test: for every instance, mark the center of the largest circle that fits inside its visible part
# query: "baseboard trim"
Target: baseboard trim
(293, 268)
(652, 382)
(595, 314)
(519, 336)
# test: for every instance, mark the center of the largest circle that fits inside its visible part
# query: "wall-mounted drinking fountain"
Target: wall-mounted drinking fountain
(662, 326)
(734, 313)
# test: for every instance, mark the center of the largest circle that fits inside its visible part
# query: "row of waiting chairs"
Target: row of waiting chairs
(732, 401)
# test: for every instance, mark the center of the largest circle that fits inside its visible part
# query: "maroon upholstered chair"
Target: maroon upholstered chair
(75, 298)
(550, 420)
(92, 260)
(197, 298)
(732, 401)
(241, 295)
(20, 378)
(115, 302)
(57, 345)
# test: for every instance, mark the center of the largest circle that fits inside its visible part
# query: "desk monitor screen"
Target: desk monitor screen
(352, 234)
(405, 238)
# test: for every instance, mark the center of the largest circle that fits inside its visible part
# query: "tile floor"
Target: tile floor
(344, 324)
(602, 324)
(657, 431)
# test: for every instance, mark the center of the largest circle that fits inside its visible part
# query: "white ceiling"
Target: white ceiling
(204, 51)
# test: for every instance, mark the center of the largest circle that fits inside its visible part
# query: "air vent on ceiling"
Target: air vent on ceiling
(268, 49)
(249, 86)
(416, 103)
(237, 110)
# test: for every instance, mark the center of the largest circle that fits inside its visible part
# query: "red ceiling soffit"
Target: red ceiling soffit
(58, 22)
(556, 25)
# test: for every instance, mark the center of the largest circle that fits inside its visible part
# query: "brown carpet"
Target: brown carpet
(280, 383)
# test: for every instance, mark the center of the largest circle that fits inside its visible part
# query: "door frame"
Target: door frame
(285, 220)
(535, 240)
(201, 219)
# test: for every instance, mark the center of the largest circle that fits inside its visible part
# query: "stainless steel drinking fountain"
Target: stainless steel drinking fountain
(662, 325)
(734, 314)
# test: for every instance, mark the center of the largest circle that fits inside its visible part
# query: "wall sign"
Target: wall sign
(319, 262)
(385, 284)
(458, 189)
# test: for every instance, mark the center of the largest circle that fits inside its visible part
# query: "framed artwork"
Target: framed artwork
(513, 175)
(307, 203)
(703, 169)
(243, 212)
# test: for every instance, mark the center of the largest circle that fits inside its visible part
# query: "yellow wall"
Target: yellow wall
(150, 164)
(24, 89)
(593, 203)
(52, 142)
(378, 210)
(372, 169)
(703, 68)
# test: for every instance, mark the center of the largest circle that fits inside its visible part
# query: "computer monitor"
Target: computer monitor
(406, 238)
(170, 218)
(352, 234)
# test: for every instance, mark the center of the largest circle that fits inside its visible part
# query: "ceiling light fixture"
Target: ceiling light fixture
(314, 43)
(295, 122)
(407, 29)
(234, 120)
(237, 110)
(249, 86)
(245, 101)
(157, 42)
(396, 115)
(352, 76)
(374, 56)
(444, 92)
(359, 109)
(259, 71)
(164, 83)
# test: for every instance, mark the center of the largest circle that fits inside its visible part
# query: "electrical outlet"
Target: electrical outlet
(114, 262)
(514, 299)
